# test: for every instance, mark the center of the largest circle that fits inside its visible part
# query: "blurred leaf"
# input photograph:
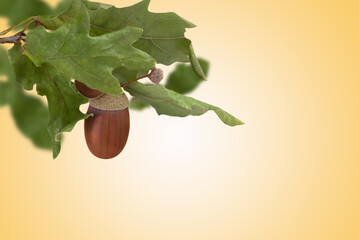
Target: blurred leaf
(90, 60)
(4, 91)
(18, 10)
(163, 33)
(169, 102)
(63, 100)
(5, 70)
(30, 114)
(184, 80)
(137, 104)
(31, 117)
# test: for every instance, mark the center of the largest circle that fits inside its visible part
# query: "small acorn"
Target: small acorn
(156, 75)
(107, 131)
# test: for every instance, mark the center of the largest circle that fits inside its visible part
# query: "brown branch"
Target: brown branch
(15, 39)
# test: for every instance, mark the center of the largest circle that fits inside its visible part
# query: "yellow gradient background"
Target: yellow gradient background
(288, 69)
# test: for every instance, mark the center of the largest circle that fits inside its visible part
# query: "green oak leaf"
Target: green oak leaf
(54, 22)
(30, 113)
(163, 33)
(169, 102)
(182, 80)
(196, 65)
(90, 60)
(18, 10)
(63, 100)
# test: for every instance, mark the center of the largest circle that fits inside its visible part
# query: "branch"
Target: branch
(15, 39)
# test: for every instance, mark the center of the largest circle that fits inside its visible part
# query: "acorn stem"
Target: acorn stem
(156, 75)
(129, 83)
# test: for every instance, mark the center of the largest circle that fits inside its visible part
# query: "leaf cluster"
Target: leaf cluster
(30, 113)
(103, 47)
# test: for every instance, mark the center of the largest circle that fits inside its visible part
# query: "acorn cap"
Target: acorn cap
(108, 102)
(156, 75)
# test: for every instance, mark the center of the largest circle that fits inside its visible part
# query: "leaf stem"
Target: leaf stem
(19, 24)
(28, 24)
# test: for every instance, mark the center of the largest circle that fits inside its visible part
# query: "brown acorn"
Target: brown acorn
(107, 131)
(86, 91)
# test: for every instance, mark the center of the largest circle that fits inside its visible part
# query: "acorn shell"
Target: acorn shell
(107, 131)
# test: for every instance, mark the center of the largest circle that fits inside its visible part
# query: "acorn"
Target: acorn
(107, 131)
(86, 91)
(156, 75)
(108, 127)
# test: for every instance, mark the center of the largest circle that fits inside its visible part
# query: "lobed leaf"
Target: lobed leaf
(63, 100)
(163, 33)
(54, 22)
(169, 102)
(182, 80)
(90, 60)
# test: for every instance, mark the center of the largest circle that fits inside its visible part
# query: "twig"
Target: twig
(15, 26)
(15, 39)
(28, 24)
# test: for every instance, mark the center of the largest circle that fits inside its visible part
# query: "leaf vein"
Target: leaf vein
(78, 66)
(61, 94)
(64, 42)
